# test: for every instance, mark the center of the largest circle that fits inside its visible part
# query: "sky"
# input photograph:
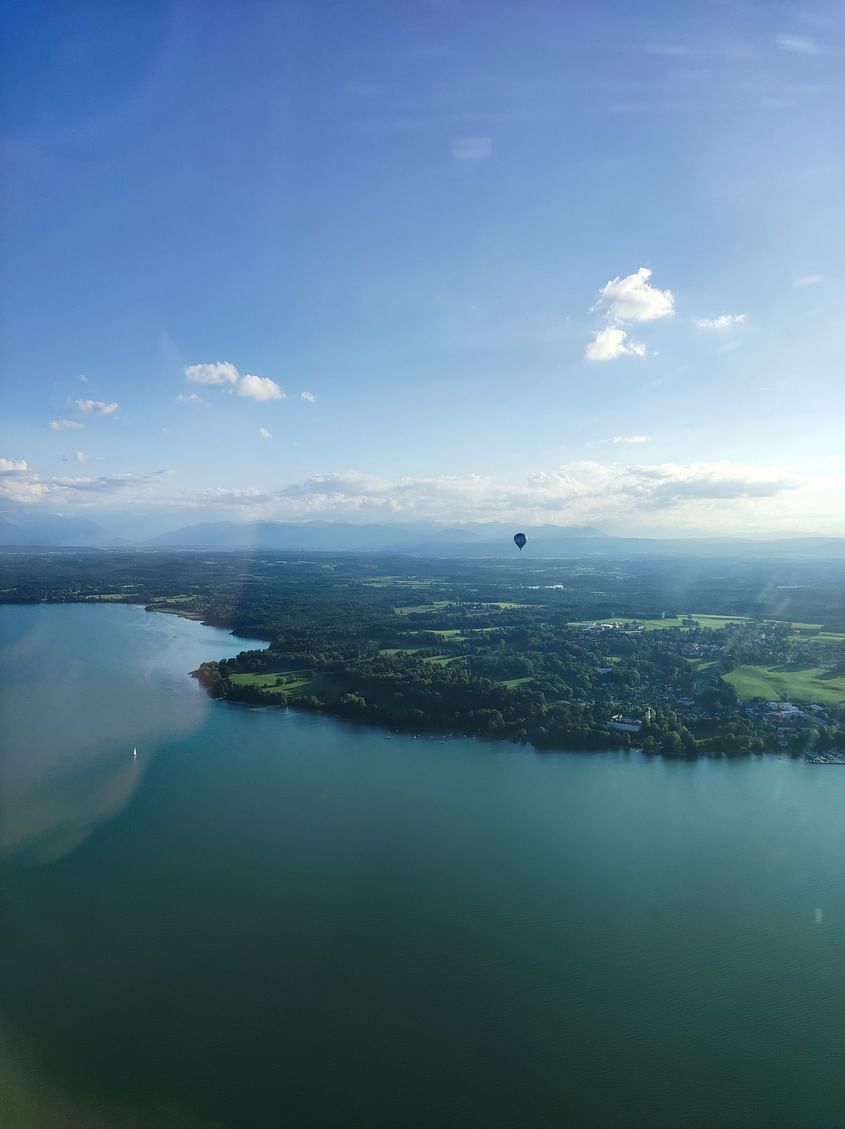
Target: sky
(573, 263)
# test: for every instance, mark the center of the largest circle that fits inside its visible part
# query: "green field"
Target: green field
(797, 682)
(396, 582)
(266, 680)
(436, 605)
(817, 637)
(513, 683)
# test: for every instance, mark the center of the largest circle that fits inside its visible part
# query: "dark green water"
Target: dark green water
(275, 920)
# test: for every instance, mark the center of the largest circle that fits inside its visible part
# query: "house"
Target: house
(624, 724)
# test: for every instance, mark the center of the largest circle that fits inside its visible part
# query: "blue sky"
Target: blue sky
(438, 221)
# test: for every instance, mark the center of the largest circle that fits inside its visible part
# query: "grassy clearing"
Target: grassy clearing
(396, 582)
(798, 682)
(441, 660)
(817, 637)
(699, 665)
(266, 680)
(513, 683)
(435, 605)
(714, 622)
(717, 621)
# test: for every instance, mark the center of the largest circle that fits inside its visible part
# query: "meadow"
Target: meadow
(797, 682)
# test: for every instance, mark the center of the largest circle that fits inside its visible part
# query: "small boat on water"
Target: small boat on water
(134, 754)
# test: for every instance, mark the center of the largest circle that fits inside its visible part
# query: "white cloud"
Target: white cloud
(634, 299)
(95, 407)
(309, 396)
(24, 491)
(472, 148)
(808, 280)
(800, 44)
(12, 466)
(723, 321)
(221, 372)
(190, 398)
(631, 439)
(575, 493)
(83, 378)
(610, 343)
(81, 457)
(264, 433)
(259, 388)
(106, 484)
(224, 373)
(65, 425)
(698, 496)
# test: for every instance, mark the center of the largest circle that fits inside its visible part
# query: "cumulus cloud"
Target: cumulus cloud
(224, 374)
(472, 148)
(95, 407)
(264, 433)
(634, 299)
(610, 343)
(190, 398)
(808, 280)
(309, 396)
(22, 485)
(65, 425)
(221, 372)
(799, 44)
(259, 388)
(23, 491)
(631, 439)
(723, 321)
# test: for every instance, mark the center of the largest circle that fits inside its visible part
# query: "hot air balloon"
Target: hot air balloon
(519, 540)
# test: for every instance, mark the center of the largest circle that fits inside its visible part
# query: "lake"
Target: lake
(269, 919)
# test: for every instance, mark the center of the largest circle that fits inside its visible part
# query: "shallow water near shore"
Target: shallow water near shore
(276, 919)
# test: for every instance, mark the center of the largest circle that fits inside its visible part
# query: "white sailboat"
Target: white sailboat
(134, 754)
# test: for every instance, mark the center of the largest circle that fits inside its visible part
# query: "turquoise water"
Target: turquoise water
(271, 919)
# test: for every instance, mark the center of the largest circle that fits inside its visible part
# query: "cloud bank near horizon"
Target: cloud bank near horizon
(707, 497)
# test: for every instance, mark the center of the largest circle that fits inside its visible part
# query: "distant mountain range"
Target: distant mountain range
(49, 530)
(475, 539)
(469, 539)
